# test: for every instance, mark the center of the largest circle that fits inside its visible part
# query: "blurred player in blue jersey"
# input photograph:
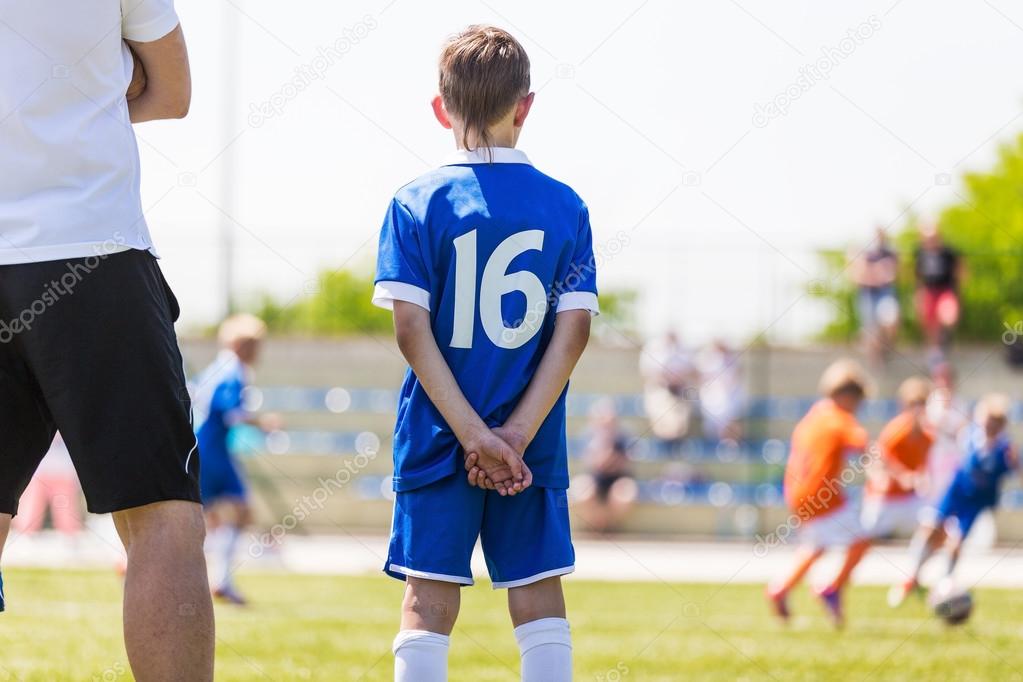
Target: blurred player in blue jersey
(488, 266)
(989, 458)
(218, 406)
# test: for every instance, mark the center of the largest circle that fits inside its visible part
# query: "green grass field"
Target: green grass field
(66, 626)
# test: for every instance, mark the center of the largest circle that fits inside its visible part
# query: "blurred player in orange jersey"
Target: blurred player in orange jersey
(892, 500)
(815, 479)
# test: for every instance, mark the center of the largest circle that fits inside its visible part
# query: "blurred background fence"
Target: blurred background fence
(331, 464)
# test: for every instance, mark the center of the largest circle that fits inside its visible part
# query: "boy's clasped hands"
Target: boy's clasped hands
(494, 460)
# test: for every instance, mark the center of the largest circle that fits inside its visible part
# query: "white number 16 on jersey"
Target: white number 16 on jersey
(496, 282)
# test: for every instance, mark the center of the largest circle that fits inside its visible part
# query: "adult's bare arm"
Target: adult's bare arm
(168, 82)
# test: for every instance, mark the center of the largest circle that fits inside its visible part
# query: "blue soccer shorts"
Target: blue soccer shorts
(219, 479)
(525, 538)
(964, 511)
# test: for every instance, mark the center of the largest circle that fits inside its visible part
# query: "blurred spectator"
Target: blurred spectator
(607, 490)
(722, 393)
(939, 271)
(668, 389)
(874, 271)
(948, 415)
(55, 487)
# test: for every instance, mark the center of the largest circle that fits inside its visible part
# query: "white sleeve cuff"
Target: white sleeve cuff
(578, 300)
(386, 293)
(147, 20)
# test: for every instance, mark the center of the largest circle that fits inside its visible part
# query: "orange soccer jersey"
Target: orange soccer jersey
(820, 444)
(906, 447)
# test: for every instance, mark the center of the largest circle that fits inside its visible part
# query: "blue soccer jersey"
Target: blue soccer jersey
(978, 481)
(493, 248)
(217, 406)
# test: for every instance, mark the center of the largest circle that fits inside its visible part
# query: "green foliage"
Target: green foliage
(341, 303)
(986, 225)
(617, 310)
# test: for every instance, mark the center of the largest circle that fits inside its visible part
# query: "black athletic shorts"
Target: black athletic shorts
(87, 347)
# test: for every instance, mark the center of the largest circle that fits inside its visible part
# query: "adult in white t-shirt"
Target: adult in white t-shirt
(87, 342)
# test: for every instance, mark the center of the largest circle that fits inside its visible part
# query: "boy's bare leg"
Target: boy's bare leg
(853, 555)
(168, 613)
(545, 641)
(954, 549)
(430, 605)
(805, 559)
(428, 615)
(924, 543)
(777, 595)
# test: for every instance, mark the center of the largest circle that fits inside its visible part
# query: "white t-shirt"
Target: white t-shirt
(69, 165)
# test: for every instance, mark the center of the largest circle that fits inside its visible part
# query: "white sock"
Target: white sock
(546, 647)
(229, 536)
(420, 656)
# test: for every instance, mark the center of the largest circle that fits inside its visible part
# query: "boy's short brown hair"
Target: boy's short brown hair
(993, 406)
(845, 376)
(484, 71)
(240, 327)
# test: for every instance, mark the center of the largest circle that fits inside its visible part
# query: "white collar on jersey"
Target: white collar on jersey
(487, 155)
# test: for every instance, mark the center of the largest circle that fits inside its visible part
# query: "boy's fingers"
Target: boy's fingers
(515, 464)
(470, 460)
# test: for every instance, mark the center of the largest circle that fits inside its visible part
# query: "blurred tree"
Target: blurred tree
(986, 225)
(340, 303)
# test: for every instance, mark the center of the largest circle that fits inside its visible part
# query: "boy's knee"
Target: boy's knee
(543, 599)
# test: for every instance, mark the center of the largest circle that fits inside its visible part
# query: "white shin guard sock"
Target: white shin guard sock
(546, 647)
(420, 656)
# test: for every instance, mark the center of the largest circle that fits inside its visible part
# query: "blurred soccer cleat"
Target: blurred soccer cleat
(230, 595)
(832, 600)
(779, 604)
(1, 593)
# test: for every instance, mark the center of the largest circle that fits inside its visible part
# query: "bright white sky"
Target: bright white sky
(645, 107)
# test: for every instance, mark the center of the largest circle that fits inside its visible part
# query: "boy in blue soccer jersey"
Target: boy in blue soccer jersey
(217, 407)
(989, 458)
(488, 266)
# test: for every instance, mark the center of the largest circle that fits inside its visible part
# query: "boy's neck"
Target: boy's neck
(498, 136)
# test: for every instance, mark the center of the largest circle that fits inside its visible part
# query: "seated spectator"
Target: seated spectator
(607, 491)
(722, 393)
(668, 389)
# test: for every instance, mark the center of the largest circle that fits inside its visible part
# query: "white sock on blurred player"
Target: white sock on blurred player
(228, 544)
(420, 656)
(546, 648)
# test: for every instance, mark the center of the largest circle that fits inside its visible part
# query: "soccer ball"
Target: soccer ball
(950, 603)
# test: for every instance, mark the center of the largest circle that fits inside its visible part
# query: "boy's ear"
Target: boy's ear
(522, 109)
(440, 112)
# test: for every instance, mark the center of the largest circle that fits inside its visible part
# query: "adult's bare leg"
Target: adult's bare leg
(168, 612)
